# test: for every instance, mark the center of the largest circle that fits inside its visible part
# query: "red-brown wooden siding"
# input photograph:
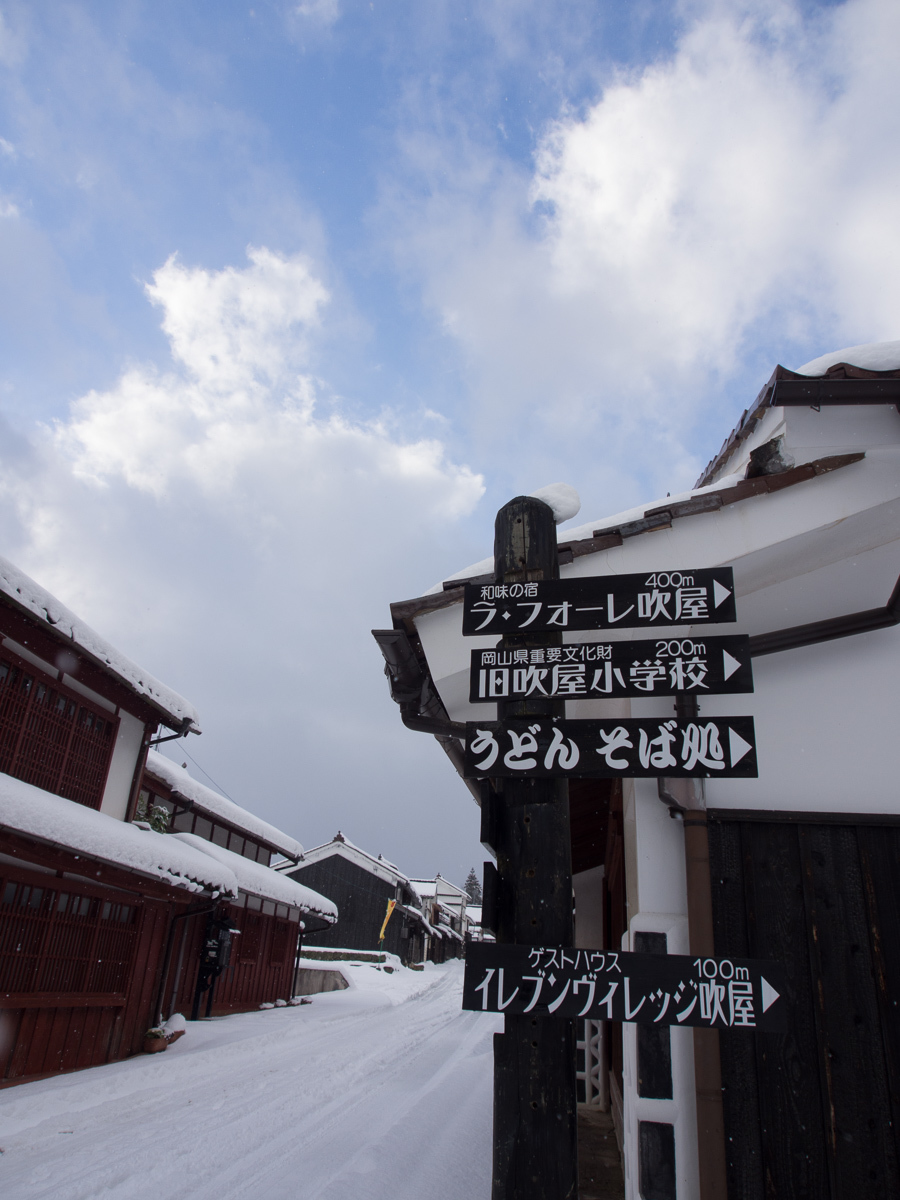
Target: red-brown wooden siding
(101, 1011)
(261, 968)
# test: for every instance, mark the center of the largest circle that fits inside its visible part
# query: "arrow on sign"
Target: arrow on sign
(737, 746)
(769, 995)
(720, 593)
(729, 664)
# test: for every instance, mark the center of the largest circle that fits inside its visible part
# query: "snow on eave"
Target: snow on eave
(870, 356)
(258, 880)
(211, 804)
(25, 594)
(608, 534)
(34, 813)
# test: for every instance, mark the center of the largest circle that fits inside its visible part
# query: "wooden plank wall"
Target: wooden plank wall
(43, 1039)
(813, 1112)
(261, 968)
(361, 901)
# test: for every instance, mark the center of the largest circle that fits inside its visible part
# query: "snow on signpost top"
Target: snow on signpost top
(27, 594)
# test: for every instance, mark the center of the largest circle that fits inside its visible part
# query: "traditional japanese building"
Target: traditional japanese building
(445, 904)
(361, 885)
(94, 909)
(803, 502)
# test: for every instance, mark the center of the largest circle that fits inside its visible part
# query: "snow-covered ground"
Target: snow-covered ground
(380, 1092)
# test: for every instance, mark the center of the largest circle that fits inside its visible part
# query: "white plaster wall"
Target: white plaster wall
(588, 888)
(680, 1110)
(121, 769)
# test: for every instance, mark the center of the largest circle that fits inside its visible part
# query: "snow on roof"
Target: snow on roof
(31, 811)
(257, 880)
(871, 356)
(205, 800)
(425, 887)
(339, 844)
(27, 594)
(581, 532)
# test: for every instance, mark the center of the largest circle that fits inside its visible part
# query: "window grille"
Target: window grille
(54, 941)
(49, 737)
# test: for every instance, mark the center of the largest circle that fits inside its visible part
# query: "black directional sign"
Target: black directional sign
(701, 597)
(659, 666)
(540, 747)
(649, 989)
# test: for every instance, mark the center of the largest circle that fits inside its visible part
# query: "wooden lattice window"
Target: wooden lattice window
(61, 942)
(50, 737)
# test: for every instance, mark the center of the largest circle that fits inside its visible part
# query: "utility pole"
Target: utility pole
(535, 1101)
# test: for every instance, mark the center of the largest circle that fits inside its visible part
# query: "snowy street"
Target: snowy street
(381, 1091)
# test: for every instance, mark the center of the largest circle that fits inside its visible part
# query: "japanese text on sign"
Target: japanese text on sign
(723, 747)
(648, 989)
(613, 601)
(593, 670)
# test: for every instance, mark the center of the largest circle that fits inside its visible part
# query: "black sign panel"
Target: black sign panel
(702, 597)
(597, 670)
(649, 989)
(632, 747)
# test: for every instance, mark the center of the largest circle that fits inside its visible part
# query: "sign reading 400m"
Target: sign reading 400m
(702, 597)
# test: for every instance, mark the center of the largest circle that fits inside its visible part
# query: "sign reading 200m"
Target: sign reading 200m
(702, 597)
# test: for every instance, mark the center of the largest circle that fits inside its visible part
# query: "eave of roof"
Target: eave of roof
(645, 520)
(767, 399)
(210, 803)
(27, 596)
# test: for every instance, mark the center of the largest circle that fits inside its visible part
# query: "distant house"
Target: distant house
(446, 907)
(93, 908)
(361, 885)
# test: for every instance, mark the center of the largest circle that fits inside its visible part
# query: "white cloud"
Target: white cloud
(319, 12)
(238, 419)
(739, 194)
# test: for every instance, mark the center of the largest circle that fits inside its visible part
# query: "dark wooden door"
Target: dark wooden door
(814, 1112)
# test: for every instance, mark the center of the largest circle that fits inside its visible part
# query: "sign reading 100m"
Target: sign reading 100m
(701, 597)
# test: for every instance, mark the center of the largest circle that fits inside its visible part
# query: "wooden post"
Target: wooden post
(535, 1112)
(707, 1064)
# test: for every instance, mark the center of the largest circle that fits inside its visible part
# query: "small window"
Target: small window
(236, 843)
(220, 835)
(263, 856)
(203, 828)
(183, 822)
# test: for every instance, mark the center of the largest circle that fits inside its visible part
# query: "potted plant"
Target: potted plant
(155, 1040)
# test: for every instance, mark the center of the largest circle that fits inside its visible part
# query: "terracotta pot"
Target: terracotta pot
(153, 1045)
(173, 1037)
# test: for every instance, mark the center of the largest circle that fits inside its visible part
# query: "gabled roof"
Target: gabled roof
(19, 590)
(210, 803)
(377, 866)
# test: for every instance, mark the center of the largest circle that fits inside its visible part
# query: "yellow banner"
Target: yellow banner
(392, 904)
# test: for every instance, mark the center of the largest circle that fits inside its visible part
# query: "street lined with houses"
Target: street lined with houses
(381, 1091)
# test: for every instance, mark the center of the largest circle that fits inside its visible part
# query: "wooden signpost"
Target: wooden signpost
(532, 975)
(523, 760)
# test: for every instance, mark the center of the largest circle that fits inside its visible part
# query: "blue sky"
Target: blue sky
(295, 295)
